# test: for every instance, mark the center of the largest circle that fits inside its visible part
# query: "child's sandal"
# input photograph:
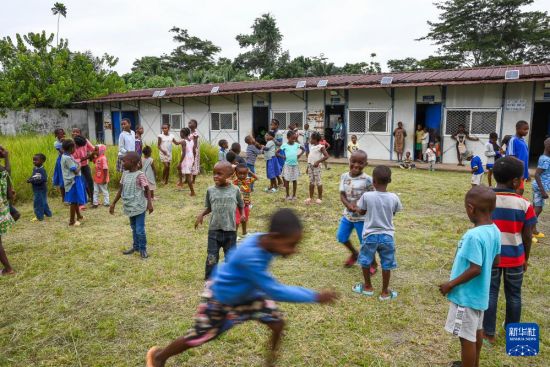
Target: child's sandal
(392, 295)
(360, 289)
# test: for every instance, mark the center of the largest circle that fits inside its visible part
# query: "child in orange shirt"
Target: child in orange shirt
(101, 176)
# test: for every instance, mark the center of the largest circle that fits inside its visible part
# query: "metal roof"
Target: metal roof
(490, 74)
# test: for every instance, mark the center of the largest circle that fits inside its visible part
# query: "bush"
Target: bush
(22, 148)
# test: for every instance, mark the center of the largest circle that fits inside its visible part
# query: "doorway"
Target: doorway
(332, 113)
(98, 119)
(428, 115)
(117, 117)
(260, 123)
(540, 130)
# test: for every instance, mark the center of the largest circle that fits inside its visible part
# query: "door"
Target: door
(433, 117)
(98, 118)
(115, 118)
(332, 114)
(260, 123)
(540, 130)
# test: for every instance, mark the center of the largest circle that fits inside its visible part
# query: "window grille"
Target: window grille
(361, 122)
(223, 121)
(286, 118)
(475, 122)
(173, 119)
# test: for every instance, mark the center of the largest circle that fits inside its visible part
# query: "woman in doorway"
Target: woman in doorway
(339, 136)
(399, 135)
(461, 136)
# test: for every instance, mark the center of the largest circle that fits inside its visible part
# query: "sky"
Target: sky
(342, 30)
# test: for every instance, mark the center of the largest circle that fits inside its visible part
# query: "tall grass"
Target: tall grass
(22, 148)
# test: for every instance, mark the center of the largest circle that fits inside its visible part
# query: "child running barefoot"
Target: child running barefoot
(75, 193)
(272, 168)
(492, 152)
(468, 289)
(39, 181)
(222, 200)
(477, 168)
(244, 181)
(541, 186)
(243, 289)
(353, 185)
(101, 177)
(164, 142)
(378, 233)
(187, 158)
(136, 200)
(291, 170)
(148, 169)
(57, 173)
(6, 220)
(317, 155)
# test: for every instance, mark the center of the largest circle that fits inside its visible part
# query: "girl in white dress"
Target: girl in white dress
(187, 157)
(165, 141)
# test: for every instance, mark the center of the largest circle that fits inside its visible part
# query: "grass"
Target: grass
(77, 301)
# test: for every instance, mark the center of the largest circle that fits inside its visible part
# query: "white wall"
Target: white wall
(404, 110)
(43, 120)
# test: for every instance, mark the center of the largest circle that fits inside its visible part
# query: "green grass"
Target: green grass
(77, 301)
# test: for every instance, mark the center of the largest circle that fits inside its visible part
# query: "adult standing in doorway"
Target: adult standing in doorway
(461, 136)
(196, 169)
(82, 155)
(399, 135)
(339, 135)
(126, 142)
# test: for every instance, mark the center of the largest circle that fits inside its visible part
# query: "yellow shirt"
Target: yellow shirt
(352, 147)
(419, 136)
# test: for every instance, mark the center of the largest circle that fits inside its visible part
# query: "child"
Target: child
(504, 144)
(492, 152)
(224, 146)
(461, 136)
(82, 153)
(477, 168)
(244, 180)
(378, 233)
(57, 173)
(517, 147)
(425, 141)
(101, 177)
(126, 142)
(352, 145)
(222, 200)
(541, 186)
(431, 156)
(148, 169)
(39, 181)
(243, 289)
(75, 193)
(6, 220)
(407, 162)
(468, 287)
(291, 170)
(418, 142)
(327, 147)
(272, 168)
(164, 142)
(136, 200)
(139, 142)
(278, 140)
(438, 152)
(318, 154)
(515, 218)
(187, 158)
(306, 134)
(253, 149)
(236, 148)
(352, 186)
(192, 125)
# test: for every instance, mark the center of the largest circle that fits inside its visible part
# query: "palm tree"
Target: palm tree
(59, 9)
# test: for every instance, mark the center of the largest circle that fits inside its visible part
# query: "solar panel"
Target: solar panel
(322, 83)
(162, 93)
(156, 93)
(215, 89)
(511, 74)
(386, 80)
(301, 84)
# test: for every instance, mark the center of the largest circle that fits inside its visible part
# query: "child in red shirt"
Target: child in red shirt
(101, 176)
(327, 147)
(245, 178)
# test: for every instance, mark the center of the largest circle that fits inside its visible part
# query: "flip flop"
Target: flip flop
(360, 289)
(392, 295)
(151, 355)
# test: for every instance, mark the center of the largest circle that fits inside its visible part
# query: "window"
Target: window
(223, 121)
(173, 119)
(286, 118)
(476, 122)
(364, 121)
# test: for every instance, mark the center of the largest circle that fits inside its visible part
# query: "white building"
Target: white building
(483, 99)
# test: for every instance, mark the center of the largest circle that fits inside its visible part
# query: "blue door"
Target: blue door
(117, 117)
(433, 117)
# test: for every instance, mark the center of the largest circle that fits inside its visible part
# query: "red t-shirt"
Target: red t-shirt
(81, 153)
(100, 166)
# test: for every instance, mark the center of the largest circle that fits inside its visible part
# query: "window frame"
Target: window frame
(170, 118)
(234, 116)
(472, 110)
(367, 112)
(287, 113)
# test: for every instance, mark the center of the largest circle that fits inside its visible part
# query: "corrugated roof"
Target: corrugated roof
(492, 74)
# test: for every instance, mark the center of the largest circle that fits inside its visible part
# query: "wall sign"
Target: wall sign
(259, 102)
(429, 99)
(515, 104)
(546, 96)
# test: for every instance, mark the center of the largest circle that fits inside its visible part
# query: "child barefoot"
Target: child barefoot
(327, 147)
(148, 169)
(317, 155)
(431, 156)
(39, 181)
(164, 142)
(468, 289)
(272, 168)
(6, 221)
(57, 173)
(224, 146)
(101, 177)
(253, 149)
(291, 170)
(380, 207)
(243, 289)
(192, 125)
(187, 158)
(407, 162)
(492, 152)
(75, 193)
(136, 200)
(244, 181)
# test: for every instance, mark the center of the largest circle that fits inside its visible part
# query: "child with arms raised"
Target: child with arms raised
(468, 288)
(317, 155)
(291, 170)
(187, 157)
(244, 181)
(136, 200)
(39, 181)
(75, 192)
(243, 289)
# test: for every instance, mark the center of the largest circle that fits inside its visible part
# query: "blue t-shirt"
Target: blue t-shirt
(291, 153)
(476, 162)
(245, 277)
(479, 246)
(544, 165)
(517, 147)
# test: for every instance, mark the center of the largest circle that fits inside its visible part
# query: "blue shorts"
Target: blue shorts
(537, 197)
(346, 227)
(489, 166)
(381, 243)
(306, 147)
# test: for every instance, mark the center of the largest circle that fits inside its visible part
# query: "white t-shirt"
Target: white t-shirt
(431, 155)
(380, 207)
(490, 153)
(314, 153)
(353, 188)
(166, 143)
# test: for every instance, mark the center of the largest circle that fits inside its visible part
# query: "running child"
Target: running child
(492, 152)
(192, 125)
(101, 176)
(6, 220)
(57, 173)
(136, 200)
(126, 142)
(39, 182)
(272, 168)
(243, 289)
(165, 141)
(222, 200)
(353, 185)
(477, 168)
(224, 147)
(468, 288)
(380, 207)
(75, 193)
(541, 186)
(253, 149)
(431, 157)
(352, 145)
(291, 169)
(517, 147)
(318, 154)
(244, 180)
(187, 159)
(148, 169)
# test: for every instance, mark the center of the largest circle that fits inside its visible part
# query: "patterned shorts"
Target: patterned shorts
(314, 175)
(291, 173)
(119, 166)
(214, 318)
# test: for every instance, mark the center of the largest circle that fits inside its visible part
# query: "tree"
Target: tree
(265, 47)
(429, 63)
(192, 52)
(59, 9)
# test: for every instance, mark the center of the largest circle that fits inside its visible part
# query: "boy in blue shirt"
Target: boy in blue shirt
(39, 181)
(541, 186)
(242, 289)
(468, 289)
(477, 168)
(517, 147)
